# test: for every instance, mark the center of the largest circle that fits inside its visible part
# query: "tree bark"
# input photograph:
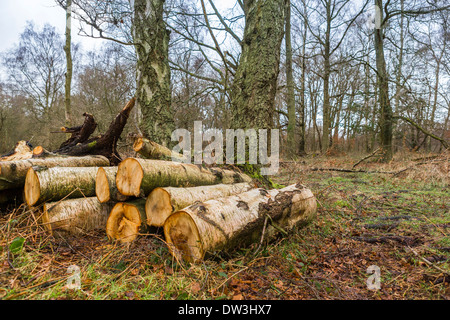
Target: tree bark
(383, 90)
(105, 185)
(153, 72)
(126, 221)
(57, 183)
(255, 82)
(326, 121)
(69, 68)
(162, 202)
(290, 95)
(231, 222)
(152, 150)
(302, 142)
(137, 177)
(75, 216)
(13, 173)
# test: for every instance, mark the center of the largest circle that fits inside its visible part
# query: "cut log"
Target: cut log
(51, 184)
(40, 152)
(152, 150)
(162, 202)
(21, 151)
(105, 186)
(105, 144)
(231, 222)
(13, 173)
(137, 177)
(75, 216)
(126, 221)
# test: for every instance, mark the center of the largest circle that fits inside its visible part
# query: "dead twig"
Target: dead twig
(366, 157)
(427, 262)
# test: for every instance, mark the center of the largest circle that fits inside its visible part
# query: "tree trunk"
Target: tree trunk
(326, 121)
(151, 150)
(162, 202)
(13, 173)
(383, 90)
(290, 95)
(75, 216)
(126, 221)
(229, 223)
(153, 72)
(58, 183)
(105, 185)
(255, 82)
(137, 177)
(302, 111)
(67, 50)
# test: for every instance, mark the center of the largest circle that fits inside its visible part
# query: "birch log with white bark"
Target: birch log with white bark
(162, 202)
(105, 185)
(75, 216)
(227, 223)
(13, 173)
(152, 150)
(137, 177)
(51, 184)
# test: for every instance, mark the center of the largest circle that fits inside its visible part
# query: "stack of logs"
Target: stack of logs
(200, 210)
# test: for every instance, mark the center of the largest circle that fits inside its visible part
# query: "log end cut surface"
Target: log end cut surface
(123, 223)
(183, 238)
(102, 190)
(32, 189)
(138, 144)
(158, 207)
(129, 177)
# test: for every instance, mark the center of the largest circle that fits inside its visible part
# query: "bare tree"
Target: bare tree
(140, 25)
(36, 66)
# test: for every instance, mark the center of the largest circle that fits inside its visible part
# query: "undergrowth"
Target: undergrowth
(397, 221)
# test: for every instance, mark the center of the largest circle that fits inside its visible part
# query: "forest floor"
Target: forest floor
(396, 221)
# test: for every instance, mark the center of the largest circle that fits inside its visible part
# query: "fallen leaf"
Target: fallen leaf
(195, 287)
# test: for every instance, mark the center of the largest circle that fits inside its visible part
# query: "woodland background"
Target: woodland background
(327, 65)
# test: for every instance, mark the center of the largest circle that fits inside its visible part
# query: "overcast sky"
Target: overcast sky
(15, 13)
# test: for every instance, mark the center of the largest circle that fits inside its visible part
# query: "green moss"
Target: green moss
(254, 171)
(92, 144)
